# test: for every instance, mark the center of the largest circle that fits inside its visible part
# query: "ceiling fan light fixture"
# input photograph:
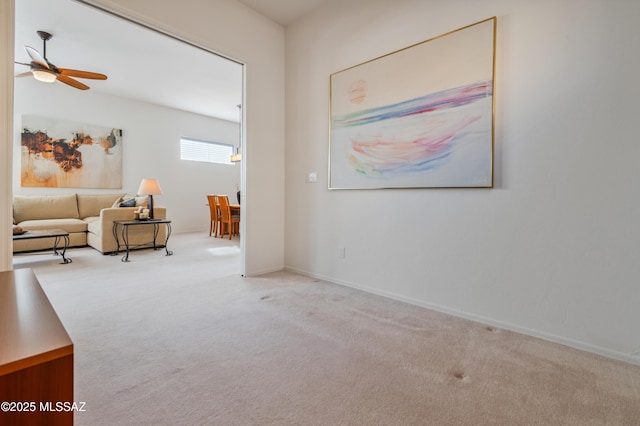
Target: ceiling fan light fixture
(46, 76)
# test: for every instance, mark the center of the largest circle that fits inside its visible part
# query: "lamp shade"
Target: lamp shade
(149, 187)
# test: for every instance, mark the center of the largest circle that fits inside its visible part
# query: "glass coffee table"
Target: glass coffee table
(58, 235)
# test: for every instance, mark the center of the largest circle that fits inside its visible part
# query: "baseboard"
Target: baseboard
(619, 356)
(266, 271)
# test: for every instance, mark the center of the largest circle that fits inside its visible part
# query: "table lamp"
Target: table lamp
(149, 187)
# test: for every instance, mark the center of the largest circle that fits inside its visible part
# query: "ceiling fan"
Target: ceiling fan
(43, 70)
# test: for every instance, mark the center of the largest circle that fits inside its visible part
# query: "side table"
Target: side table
(125, 224)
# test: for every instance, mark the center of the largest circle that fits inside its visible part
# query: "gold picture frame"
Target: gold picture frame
(419, 117)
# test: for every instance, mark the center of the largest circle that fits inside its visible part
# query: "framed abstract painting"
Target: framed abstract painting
(420, 117)
(65, 154)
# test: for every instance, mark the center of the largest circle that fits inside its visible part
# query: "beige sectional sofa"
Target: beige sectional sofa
(87, 217)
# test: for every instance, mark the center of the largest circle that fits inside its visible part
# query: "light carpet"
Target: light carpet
(184, 340)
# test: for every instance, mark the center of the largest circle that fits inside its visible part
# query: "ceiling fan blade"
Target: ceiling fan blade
(82, 74)
(24, 74)
(36, 57)
(71, 82)
(22, 63)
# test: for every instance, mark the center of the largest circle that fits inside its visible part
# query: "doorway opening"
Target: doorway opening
(160, 88)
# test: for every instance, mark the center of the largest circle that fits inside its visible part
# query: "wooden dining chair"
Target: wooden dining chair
(214, 214)
(229, 222)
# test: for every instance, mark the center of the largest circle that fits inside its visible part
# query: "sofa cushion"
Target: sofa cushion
(91, 219)
(69, 225)
(90, 204)
(36, 207)
(95, 226)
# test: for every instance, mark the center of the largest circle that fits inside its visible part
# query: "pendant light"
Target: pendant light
(237, 157)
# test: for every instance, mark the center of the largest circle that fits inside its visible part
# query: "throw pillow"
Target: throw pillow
(128, 203)
(140, 200)
(17, 230)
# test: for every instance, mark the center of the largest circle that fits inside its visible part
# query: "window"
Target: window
(209, 152)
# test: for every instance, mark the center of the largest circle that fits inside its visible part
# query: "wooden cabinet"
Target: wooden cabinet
(36, 355)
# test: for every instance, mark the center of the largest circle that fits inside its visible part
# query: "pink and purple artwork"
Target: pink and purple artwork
(421, 117)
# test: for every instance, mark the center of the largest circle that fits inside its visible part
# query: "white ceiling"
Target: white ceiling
(283, 12)
(140, 63)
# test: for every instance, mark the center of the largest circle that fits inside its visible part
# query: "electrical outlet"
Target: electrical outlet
(312, 177)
